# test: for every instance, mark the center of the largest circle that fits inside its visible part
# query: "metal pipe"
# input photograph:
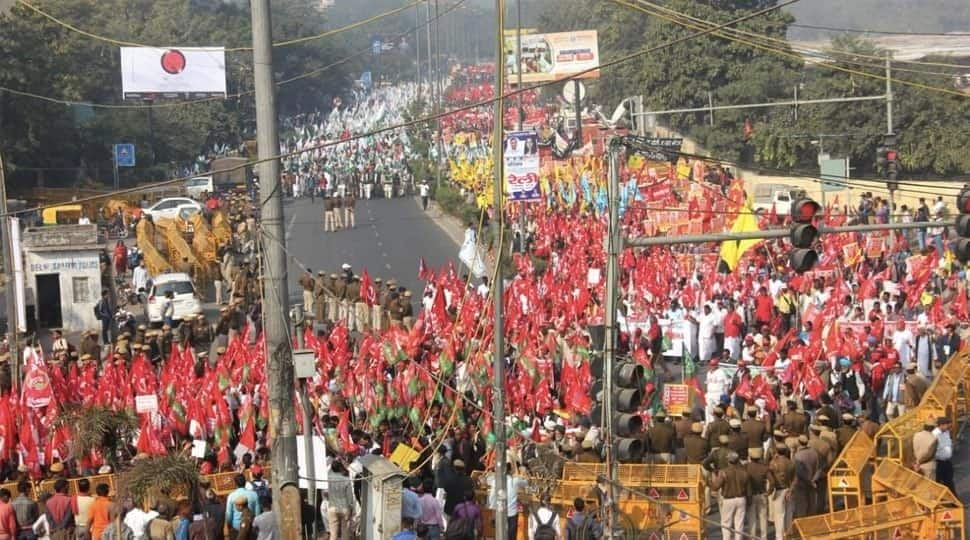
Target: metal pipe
(785, 103)
(776, 233)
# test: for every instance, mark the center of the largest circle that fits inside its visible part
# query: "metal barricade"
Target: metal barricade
(846, 476)
(894, 441)
(891, 520)
(943, 510)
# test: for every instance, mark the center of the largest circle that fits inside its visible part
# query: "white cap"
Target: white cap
(346, 266)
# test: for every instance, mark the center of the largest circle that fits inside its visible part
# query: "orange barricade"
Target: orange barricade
(845, 478)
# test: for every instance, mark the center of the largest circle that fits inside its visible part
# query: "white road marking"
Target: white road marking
(384, 255)
(289, 226)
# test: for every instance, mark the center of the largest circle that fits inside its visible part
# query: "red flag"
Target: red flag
(367, 291)
(424, 273)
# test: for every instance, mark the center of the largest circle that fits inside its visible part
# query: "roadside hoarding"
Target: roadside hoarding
(550, 57)
(521, 157)
(173, 73)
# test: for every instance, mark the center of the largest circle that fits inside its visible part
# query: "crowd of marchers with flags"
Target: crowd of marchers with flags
(783, 368)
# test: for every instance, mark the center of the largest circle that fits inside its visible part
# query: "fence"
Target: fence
(894, 441)
(943, 509)
(896, 519)
(846, 477)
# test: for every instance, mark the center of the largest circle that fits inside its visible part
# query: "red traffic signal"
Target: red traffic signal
(804, 210)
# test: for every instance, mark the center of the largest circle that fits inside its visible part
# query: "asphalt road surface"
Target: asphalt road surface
(389, 240)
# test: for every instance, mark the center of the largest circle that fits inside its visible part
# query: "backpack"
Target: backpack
(261, 487)
(544, 529)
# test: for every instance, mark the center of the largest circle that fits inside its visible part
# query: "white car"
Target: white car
(186, 301)
(172, 208)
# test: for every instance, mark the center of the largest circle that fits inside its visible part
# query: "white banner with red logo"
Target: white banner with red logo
(521, 157)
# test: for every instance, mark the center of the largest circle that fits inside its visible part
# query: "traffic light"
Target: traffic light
(803, 235)
(887, 159)
(962, 250)
(628, 383)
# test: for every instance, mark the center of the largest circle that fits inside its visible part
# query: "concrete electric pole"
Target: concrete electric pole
(279, 353)
(498, 382)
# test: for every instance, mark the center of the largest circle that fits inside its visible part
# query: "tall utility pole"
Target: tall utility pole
(518, 71)
(427, 25)
(889, 123)
(11, 284)
(498, 360)
(613, 247)
(437, 102)
(276, 308)
(417, 46)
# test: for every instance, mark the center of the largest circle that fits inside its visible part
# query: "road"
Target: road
(389, 240)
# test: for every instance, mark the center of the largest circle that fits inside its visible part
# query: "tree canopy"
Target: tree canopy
(65, 143)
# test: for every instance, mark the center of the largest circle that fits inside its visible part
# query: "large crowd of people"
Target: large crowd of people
(785, 368)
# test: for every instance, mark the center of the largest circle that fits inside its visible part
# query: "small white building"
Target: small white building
(62, 274)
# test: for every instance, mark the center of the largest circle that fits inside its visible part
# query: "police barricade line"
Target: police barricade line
(849, 474)
(943, 510)
(891, 520)
(221, 484)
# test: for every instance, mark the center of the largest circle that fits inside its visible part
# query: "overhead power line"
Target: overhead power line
(431, 117)
(173, 104)
(883, 32)
(287, 43)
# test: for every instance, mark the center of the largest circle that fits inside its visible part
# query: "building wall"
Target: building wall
(80, 282)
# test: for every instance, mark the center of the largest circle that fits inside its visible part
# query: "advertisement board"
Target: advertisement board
(521, 157)
(187, 72)
(550, 57)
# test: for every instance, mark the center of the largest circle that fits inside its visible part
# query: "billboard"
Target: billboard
(521, 158)
(549, 57)
(187, 72)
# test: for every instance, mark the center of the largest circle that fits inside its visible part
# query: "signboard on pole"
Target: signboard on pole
(521, 157)
(185, 72)
(125, 155)
(550, 57)
(834, 173)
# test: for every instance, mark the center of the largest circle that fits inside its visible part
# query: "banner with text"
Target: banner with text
(550, 57)
(521, 158)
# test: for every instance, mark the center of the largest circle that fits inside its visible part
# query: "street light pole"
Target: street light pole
(280, 384)
(498, 360)
(11, 284)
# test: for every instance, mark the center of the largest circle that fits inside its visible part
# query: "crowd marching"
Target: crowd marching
(785, 367)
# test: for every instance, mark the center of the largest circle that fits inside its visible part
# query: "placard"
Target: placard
(676, 398)
(521, 158)
(198, 449)
(146, 404)
(593, 276)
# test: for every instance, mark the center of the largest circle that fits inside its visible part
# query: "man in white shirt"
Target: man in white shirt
(512, 486)
(944, 453)
(706, 343)
(903, 343)
(718, 382)
(425, 191)
(544, 516)
(139, 277)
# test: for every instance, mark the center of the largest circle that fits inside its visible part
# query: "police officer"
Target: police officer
(719, 426)
(734, 484)
(795, 424)
(782, 474)
(307, 282)
(695, 446)
(756, 431)
(757, 511)
(807, 472)
(846, 431)
(660, 439)
(737, 441)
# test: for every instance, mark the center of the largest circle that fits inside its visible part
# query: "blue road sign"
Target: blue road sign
(366, 79)
(125, 155)
(376, 46)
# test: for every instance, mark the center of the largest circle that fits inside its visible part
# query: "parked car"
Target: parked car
(172, 208)
(779, 196)
(186, 301)
(196, 187)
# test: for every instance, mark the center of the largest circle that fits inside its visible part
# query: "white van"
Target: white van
(195, 187)
(779, 196)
